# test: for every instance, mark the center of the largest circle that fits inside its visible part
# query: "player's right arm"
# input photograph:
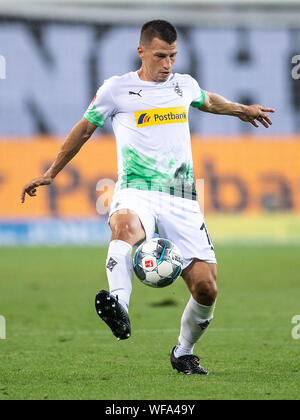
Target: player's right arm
(101, 107)
(78, 136)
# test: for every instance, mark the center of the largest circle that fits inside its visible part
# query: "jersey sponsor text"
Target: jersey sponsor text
(161, 116)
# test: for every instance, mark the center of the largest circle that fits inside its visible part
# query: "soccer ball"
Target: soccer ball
(158, 262)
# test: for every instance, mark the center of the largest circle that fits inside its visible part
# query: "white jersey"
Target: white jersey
(150, 123)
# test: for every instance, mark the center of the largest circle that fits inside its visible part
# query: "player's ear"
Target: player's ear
(140, 51)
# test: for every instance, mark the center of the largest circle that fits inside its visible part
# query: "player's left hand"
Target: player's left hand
(257, 113)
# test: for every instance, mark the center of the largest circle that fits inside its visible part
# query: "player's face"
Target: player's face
(158, 60)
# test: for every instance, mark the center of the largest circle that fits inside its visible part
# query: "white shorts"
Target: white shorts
(178, 219)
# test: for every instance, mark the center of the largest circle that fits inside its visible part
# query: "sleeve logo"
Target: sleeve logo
(92, 103)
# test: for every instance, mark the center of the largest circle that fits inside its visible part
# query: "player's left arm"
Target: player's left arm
(217, 104)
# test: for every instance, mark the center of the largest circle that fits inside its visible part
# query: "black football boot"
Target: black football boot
(113, 314)
(188, 364)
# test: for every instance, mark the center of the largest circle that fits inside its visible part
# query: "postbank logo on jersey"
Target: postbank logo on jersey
(161, 116)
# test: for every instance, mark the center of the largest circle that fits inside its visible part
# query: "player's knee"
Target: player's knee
(125, 230)
(205, 289)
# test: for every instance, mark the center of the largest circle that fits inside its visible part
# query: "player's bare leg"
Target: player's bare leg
(112, 306)
(200, 278)
(126, 226)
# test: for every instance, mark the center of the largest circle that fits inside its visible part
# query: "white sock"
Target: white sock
(119, 270)
(194, 321)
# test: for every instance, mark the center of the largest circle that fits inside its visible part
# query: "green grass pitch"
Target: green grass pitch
(57, 348)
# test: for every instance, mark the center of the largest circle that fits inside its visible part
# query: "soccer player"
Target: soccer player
(155, 188)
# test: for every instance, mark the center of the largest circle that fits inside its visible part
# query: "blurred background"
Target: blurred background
(55, 54)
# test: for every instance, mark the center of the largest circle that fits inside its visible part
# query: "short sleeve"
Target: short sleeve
(101, 107)
(198, 95)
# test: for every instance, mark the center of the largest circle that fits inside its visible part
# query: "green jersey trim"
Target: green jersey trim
(94, 117)
(199, 101)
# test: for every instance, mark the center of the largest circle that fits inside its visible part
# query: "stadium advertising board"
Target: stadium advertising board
(240, 175)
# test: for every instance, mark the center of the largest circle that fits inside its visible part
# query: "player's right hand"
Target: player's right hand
(31, 187)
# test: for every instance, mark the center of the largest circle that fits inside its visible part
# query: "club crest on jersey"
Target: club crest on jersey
(161, 116)
(178, 90)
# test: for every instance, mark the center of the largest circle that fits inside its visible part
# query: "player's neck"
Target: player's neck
(143, 75)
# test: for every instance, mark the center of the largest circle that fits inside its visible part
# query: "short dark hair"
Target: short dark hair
(160, 29)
